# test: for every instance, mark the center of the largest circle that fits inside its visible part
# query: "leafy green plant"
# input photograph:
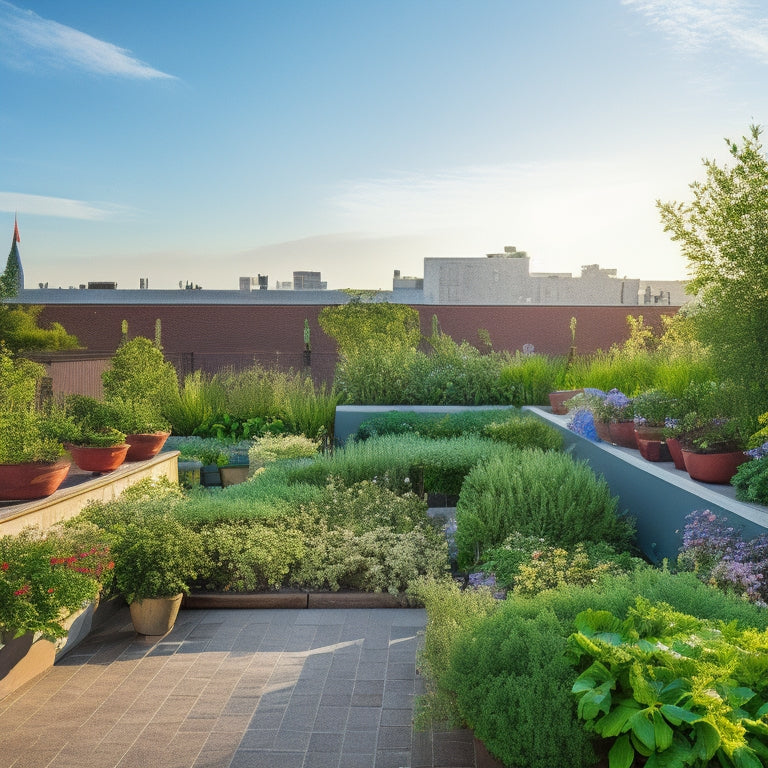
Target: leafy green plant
(155, 556)
(653, 407)
(433, 425)
(279, 447)
(197, 401)
(536, 493)
(672, 688)
(25, 436)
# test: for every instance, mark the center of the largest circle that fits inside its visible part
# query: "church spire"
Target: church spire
(12, 280)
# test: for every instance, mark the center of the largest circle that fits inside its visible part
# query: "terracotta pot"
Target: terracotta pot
(155, 615)
(22, 482)
(653, 450)
(650, 433)
(98, 458)
(558, 399)
(713, 467)
(145, 445)
(603, 430)
(676, 452)
(623, 433)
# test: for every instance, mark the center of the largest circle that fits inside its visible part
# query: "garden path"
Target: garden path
(233, 688)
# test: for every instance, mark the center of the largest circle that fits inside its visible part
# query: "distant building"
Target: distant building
(250, 283)
(505, 279)
(406, 283)
(308, 281)
(102, 286)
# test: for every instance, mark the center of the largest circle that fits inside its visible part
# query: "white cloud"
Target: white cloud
(60, 207)
(697, 24)
(58, 44)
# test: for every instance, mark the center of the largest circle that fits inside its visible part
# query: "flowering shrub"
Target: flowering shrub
(751, 478)
(715, 551)
(582, 422)
(40, 583)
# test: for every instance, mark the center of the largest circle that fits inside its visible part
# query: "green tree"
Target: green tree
(723, 233)
(361, 326)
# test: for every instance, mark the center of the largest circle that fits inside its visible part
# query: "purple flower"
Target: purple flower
(582, 422)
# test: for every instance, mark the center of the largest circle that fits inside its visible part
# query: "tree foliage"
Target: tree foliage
(723, 233)
(359, 326)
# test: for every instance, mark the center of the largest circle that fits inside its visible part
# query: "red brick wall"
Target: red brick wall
(218, 335)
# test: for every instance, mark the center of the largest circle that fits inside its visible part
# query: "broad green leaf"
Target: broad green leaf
(661, 731)
(615, 722)
(593, 702)
(642, 727)
(643, 689)
(762, 711)
(760, 749)
(621, 754)
(677, 715)
(707, 739)
(673, 692)
(677, 756)
(639, 746)
(738, 696)
(756, 726)
(590, 622)
(744, 757)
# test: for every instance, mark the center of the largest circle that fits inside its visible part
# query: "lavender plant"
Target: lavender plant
(716, 552)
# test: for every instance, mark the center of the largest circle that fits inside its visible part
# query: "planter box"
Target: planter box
(233, 474)
(296, 599)
(656, 495)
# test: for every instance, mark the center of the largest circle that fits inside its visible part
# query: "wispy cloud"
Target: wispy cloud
(698, 24)
(60, 207)
(53, 43)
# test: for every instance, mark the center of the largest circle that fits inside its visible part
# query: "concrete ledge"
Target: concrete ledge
(71, 498)
(656, 494)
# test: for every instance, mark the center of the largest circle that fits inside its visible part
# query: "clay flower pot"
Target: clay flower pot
(94, 458)
(155, 615)
(22, 482)
(676, 452)
(558, 399)
(623, 433)
(713, 467)
(145, 445)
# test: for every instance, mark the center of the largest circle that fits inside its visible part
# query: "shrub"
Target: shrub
(432, 425)
(197, 400)
(536, 493)
(408, 461)
(249, 556)
(512, 682)
(450, 612)
(376, 560)
(751, 479)
(525, 432)
(139, 371)
(276, 447)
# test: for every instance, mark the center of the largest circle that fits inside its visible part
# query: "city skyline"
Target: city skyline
(259, 137)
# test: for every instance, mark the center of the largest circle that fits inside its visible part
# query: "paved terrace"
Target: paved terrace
(263, 688)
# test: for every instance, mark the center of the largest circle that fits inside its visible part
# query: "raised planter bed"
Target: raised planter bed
(657, 495)
(296, 599)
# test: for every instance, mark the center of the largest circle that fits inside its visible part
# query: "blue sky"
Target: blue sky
(201, 141)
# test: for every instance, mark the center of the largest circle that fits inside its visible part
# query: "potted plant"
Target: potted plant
(146, 431)
(712, 447)
(32, 461)
(91, 437)
(652, 409)
(156, 557)
(616, 410)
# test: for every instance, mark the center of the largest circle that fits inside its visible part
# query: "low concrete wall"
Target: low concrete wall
(350, 417)
(656, 494)
(68, 501)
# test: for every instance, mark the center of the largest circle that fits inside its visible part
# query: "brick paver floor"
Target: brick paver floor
(330, 688)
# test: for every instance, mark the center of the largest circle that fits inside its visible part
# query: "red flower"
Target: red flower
(23, 591)
(50, 590)
(4, 566)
